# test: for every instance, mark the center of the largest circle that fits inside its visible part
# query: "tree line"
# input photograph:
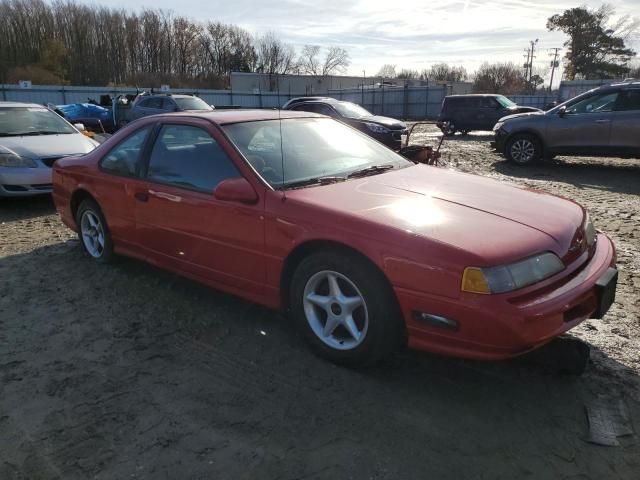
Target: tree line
(67, 42)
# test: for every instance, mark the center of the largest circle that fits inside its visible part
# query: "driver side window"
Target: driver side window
(124, 159)
(594, 104)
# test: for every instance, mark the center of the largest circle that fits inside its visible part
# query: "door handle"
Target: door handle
(604, 120)
(166, 196)
(141, 196)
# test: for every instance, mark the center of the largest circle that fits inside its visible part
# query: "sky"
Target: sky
(409, 34)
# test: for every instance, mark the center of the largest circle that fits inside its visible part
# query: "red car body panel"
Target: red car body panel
(421, 226)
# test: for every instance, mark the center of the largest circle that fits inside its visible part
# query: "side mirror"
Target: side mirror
(562, 111)
(80, 126)
(236, 190)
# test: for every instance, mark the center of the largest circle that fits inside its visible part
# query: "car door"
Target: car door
(625, 124)
(584, 127)
(488, 113)
(149, 106)
(121, 168)
(179, 221)
(169, 105)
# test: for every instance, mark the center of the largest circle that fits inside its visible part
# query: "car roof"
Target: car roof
(475, 95)
(225, 117)
(20, 104)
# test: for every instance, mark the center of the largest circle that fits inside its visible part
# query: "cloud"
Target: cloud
(410, 34)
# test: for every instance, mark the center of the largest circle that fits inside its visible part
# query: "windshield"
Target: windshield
(17, 121)
(505, 102)
(351, 110)
(311, 148)
(192, 103)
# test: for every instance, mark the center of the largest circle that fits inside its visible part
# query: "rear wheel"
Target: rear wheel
(345, 308)
(523, 149)
(93, 232)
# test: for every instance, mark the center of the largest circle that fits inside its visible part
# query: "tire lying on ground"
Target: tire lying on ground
(345, 308)
(523, 149)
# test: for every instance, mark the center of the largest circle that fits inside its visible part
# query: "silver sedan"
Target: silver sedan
(32, 138)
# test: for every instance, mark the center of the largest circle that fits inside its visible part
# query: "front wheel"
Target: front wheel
(523, 149)
(345, 308)
(448, 128)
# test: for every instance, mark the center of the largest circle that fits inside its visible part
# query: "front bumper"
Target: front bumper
(393, 139)
(499, 141)
(492, 327)
(20, 182)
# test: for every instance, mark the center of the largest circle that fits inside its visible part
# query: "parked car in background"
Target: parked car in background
(602, 122)
(388, 131)
(366, 249)
(32, 138)
(152, 104)
(465, 113)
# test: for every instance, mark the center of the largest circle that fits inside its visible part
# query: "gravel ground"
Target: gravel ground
(126, 371)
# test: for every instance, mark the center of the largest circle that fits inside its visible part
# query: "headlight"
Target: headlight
(498, 126)
(511, 277)
(589, 231)
(13, 160)
(374, 127)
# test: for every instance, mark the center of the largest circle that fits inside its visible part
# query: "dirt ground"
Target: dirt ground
(125, 371)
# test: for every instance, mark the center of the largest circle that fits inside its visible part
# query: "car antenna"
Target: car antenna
(284, 191)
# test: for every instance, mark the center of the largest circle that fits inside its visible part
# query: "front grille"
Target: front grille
(26, 188)
(50, 161)
(15, 188)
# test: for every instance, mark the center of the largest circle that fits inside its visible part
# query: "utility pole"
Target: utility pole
(554, 64)
(526, 64)
(532, 56)
(364, 78)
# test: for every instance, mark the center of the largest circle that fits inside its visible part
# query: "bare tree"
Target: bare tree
(408, 74)
(387, 71)
(335, 61)
(308, 62)
(274, 56)
(505, 78)
(443, 72)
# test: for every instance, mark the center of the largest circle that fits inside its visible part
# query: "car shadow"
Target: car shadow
(164, 368)
(22, 208)
(613, 175)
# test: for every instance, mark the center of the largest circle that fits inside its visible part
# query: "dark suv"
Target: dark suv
(464, 113)
(602, 122)
(386, 130)
(151, 104)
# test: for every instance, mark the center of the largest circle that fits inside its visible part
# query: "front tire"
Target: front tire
(93, 232)
(345, 309)
(523, 149)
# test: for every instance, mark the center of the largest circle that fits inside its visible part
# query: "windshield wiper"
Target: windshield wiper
(370, 170)
(313, 181)
(31, 133)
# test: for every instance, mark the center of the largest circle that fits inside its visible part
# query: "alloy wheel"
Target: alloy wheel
(92, 233)
(523, 150)
(335, 310)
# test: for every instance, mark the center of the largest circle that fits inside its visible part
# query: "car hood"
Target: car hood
(43, 146)
(522, 115)
(390, 123)
(490, 219)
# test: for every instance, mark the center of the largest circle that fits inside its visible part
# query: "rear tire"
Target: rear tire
(93, 232)
(523, 149)
(345, 309)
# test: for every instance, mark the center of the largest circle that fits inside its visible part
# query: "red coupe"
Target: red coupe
(367, 250)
